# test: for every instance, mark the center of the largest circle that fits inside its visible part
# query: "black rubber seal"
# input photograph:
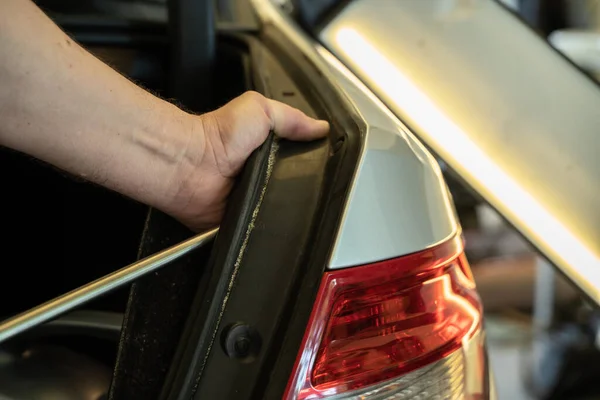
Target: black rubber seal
(273, 289)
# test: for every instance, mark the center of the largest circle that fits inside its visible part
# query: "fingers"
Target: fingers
(287, 122)
(239, 127)
(290, 123)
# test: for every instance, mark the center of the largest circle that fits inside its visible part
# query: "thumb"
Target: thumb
(290, 123)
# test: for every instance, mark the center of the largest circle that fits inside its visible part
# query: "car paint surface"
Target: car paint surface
(515, 119)
(399, 203)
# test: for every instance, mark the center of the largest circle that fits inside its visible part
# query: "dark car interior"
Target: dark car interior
(82, 231)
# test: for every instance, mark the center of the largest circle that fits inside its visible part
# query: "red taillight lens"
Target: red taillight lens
(376, 322)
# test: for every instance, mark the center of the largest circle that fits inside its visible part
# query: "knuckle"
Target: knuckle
(251, 95)
(258, 107)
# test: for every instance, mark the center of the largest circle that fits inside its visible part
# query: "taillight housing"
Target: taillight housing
(374, 324)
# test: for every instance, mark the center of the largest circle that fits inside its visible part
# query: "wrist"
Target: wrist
(150, 160)
(181, 152)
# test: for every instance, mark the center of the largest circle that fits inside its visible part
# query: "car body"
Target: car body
(339, 269)
(521, 133)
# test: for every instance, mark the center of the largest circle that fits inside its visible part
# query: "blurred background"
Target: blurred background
(544, 337)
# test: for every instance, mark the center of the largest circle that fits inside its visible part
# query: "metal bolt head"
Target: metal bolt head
(241, 341)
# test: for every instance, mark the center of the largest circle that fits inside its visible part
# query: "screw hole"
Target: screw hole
(338, 144)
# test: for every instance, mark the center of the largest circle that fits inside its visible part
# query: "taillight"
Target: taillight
(372, 327)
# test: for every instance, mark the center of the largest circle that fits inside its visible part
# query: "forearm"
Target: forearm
(60, 104)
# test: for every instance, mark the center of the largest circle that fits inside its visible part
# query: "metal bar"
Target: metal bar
(53, 308)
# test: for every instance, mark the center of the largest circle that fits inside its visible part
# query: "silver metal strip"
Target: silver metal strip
(99, 287)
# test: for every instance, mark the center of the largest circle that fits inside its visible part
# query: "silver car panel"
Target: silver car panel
(502, 108)
(399, 202)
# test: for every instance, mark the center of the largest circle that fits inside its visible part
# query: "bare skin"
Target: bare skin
(60, 104)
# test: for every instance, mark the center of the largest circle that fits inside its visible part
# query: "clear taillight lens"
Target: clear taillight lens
(374, 328)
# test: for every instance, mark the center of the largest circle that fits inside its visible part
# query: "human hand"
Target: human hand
(220, 142)
(86, 119)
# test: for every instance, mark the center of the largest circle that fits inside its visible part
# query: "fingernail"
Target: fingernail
(324, 124)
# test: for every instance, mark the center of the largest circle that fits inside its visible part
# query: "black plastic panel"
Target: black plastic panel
(347, 137)
(268, 285)
(192, 42)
